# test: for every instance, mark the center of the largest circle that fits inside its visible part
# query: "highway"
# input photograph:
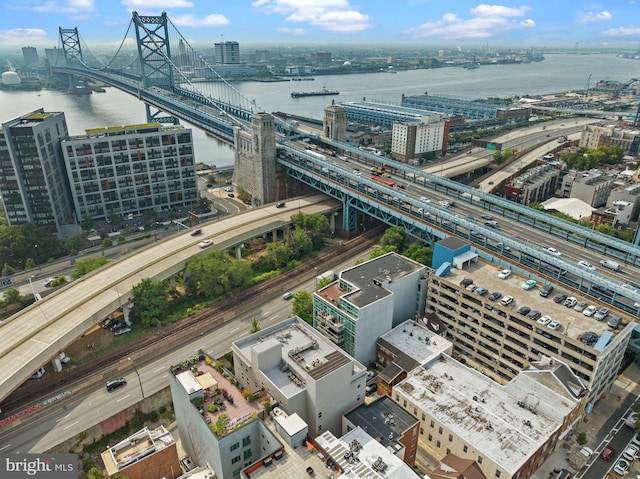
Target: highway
(58, 423)
(36, 334)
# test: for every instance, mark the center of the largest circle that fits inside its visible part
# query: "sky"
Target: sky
(529, 23)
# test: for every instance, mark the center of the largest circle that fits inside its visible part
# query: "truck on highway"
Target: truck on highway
(607, 263)
(580, 458)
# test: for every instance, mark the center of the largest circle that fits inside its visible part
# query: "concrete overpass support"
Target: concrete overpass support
(255, 159)
(239, 251)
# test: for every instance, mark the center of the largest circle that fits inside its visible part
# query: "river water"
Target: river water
(556, 73)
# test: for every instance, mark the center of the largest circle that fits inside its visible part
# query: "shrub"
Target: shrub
(582, 438)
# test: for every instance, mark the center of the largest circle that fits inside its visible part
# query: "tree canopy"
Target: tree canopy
(215, 274)
(149, 301)
(302, 306)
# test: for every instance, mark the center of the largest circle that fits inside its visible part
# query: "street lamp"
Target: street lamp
(35, 250)
(33, 290)
(137, 374)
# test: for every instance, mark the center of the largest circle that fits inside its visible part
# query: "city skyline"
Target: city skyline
(462, 24)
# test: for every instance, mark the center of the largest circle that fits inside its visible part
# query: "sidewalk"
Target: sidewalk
(622, 394)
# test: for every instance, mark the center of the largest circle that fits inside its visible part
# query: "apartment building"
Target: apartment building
(219, 426)
(33, 181)
(130, 169)
(412, 140)
(496, 337)
(592, 187)
(367, 301)
(507, 430)
(302, 371)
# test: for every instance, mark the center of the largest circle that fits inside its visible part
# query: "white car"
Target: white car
(425, 199)
(206, 243)
(544, 320)
(506, 300)
(631, 452)
(228, 189)
(586, 264)
(504, 274)
(590, 310)
(553, 251)
(554, 325)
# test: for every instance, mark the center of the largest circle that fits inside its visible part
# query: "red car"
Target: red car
(196, 232)
(607, 453)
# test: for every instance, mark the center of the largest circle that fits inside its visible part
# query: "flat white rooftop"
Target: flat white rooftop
(506, 428)
(416, 341)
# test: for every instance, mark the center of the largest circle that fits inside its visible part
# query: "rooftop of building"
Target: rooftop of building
(506, 424)
(305, 354)
(382, 419)
(367, 280)
(415, 341)
(573, 323)
(221, 396)
(361, 456)
(201, 472)
(135, 448)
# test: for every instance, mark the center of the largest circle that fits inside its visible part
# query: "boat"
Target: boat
(323, 92)
(472, 66)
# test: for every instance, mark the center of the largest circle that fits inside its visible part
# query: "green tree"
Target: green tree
(149, 301)
(114, 220)
(316, 227)
(255, 325)
(107, 242)
(220, 425)
(302, 306)
(324, 282)
(30, 263)
(8, 270)
(204, 203)
(279, 254)
(300, 243)
(215, 275)
(87, 265)
(419, 253)
(394, 239)
(11, 296)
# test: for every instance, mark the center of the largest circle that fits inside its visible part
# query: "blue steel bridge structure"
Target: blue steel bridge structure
(164, 71)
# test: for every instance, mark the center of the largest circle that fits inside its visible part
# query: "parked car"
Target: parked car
(466, 282)
(554, 325)
(524, 310)
(481, 290)
(614, 321)
(607, 453)
(506, 300)
(546, 290)
(570, 302)
(559, 298)
(471, 287)
(529, 284)
(122, 331)
(601, 314)
(38, 374)
(631, 452)
(504, 274)
(187, 463)
(580, 306)
(228, 189)
(496, 295)
(589, 338)
(206, 243)
(544, 320)
(621, 467)
(534, 314)
(590, 310)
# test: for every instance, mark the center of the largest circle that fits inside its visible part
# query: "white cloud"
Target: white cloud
(486, 21)
(75, 7)
(294, 32)
(23, 36)
(622, 31)
(591, 17)
(329, 15)
(156, 4)
(213, 20)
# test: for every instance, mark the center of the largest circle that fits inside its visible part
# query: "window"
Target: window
(431, 424)
(246, 441)
(465, 449)
(423, 417)
(440, 430)
(479, 459)
(430, 438)
(235, 459)
(450, 438)
(247, 454)
(320, 414)
(497, 473)
(437, 443)
(421, 432)
(234, 446)
(448, 450)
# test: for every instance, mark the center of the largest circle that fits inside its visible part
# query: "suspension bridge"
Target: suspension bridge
(166, 73)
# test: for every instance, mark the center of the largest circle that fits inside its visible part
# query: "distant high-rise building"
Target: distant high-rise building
(227, 52)
(33, 181)
(54, 55)
(321, 59)
(30, 55)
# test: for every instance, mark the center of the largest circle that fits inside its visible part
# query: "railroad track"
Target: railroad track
(88, 374)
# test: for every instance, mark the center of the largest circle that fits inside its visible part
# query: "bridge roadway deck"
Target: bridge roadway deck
(38, 333)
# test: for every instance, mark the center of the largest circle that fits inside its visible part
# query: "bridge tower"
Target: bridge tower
(335, 122)
(255, 159)
(154, 54)
(72, 56)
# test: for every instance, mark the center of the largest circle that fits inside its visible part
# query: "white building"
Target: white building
(508, 430)
(367, 301)
(412, 139)
(304, 372)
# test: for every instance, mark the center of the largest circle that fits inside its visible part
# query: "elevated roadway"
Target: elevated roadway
(38, 333)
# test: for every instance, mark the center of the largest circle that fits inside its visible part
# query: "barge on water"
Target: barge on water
(323, 92)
